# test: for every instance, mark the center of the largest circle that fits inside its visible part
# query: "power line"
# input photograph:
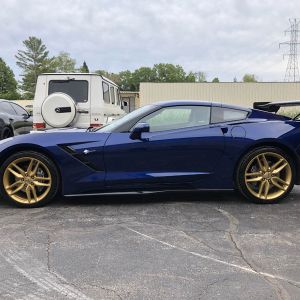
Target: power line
(292, 69)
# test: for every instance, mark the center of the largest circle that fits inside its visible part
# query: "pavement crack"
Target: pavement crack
(48, 249)
(208, 286)
(105, 289)
(282, 293)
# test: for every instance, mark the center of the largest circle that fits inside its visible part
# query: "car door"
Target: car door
(23, 118)
(181, 150)
(13, 119)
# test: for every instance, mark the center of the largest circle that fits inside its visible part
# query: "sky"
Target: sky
(223, 38)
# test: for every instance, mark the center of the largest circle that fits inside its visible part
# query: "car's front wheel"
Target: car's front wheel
(265, 175)
(28, 179)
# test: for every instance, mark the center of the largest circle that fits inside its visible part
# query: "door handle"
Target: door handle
(82, 111)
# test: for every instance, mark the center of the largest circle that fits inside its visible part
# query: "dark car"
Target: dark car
(14, 119)
(174, 145)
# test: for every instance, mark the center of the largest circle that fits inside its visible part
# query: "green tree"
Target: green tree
(130, 81)
(63, 63)
(33, 61)
(126, 81)
(249, 78)
(216, 79)
(115, 77)
(8, 83)
(143, 74)
(84, 68)
(190, 77)
(169, 73)
(200, 77)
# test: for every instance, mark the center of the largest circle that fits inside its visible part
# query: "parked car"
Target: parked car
(79, 100)
(173, 145)
(14, 119)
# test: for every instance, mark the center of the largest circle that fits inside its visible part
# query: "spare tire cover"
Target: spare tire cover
(58, 110)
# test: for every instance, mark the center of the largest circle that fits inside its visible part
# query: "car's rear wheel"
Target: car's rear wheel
(29, 179)
(266, 175)
(6, 133)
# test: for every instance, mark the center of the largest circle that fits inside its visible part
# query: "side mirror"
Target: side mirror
(26, 116)
(136, 133)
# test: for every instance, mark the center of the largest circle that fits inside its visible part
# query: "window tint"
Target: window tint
(5, 107)
(112, 95)
(219, 115)
(177, 117)
(117, 96)
(77, 89)
(19, 110)
(105, 92)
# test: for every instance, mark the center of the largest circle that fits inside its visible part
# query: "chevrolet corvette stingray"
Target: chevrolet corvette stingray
(172, 145)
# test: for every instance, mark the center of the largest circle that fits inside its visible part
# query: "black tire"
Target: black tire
(45, 161)
(240, 178)
(6, 133)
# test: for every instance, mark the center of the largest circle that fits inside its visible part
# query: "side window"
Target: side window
(105, 87)
(112, 95)
(222, 114)
(19, 110)
(177, 117)
(117, 96)
(7, 108)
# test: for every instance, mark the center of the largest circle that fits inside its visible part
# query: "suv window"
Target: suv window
(112, 95)
(177, 117)
(76, 89)
(19, 110)
(7, 108)
(105, 87)
(118, 97)
(223, 114)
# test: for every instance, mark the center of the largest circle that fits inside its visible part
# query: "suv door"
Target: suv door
(78, 88)
(181, 150)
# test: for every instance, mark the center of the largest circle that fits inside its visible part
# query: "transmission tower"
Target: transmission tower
(292, 70)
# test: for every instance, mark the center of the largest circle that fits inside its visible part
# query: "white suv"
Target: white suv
(79, 100)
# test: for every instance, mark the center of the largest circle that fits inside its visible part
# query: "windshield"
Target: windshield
(127, 118)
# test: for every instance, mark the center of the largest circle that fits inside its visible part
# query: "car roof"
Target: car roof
(200, 103)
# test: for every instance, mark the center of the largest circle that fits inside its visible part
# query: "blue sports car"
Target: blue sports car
(174, 145)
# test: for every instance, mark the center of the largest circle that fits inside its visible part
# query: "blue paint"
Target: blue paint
(203, 157)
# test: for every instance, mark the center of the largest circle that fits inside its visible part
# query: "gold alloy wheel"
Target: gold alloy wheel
(268, 176)
(27, 180)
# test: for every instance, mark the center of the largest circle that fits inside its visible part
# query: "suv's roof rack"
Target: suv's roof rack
(275, 106)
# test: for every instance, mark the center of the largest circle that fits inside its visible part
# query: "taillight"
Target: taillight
(39, 125)
(96, 125)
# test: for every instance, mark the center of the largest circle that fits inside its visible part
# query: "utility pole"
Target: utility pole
(292, 69)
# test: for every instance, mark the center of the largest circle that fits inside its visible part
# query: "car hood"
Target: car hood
(53, 137)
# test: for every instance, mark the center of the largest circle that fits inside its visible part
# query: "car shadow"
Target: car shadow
(146, 198)
(215, 197)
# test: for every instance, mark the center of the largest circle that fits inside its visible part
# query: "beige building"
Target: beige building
(130, 100)
(237, 93)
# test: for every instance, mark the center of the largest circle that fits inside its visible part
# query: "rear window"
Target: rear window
(223, 114)
(76, 89)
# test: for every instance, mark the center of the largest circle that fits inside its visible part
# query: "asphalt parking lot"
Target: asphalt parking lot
(156, 246)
